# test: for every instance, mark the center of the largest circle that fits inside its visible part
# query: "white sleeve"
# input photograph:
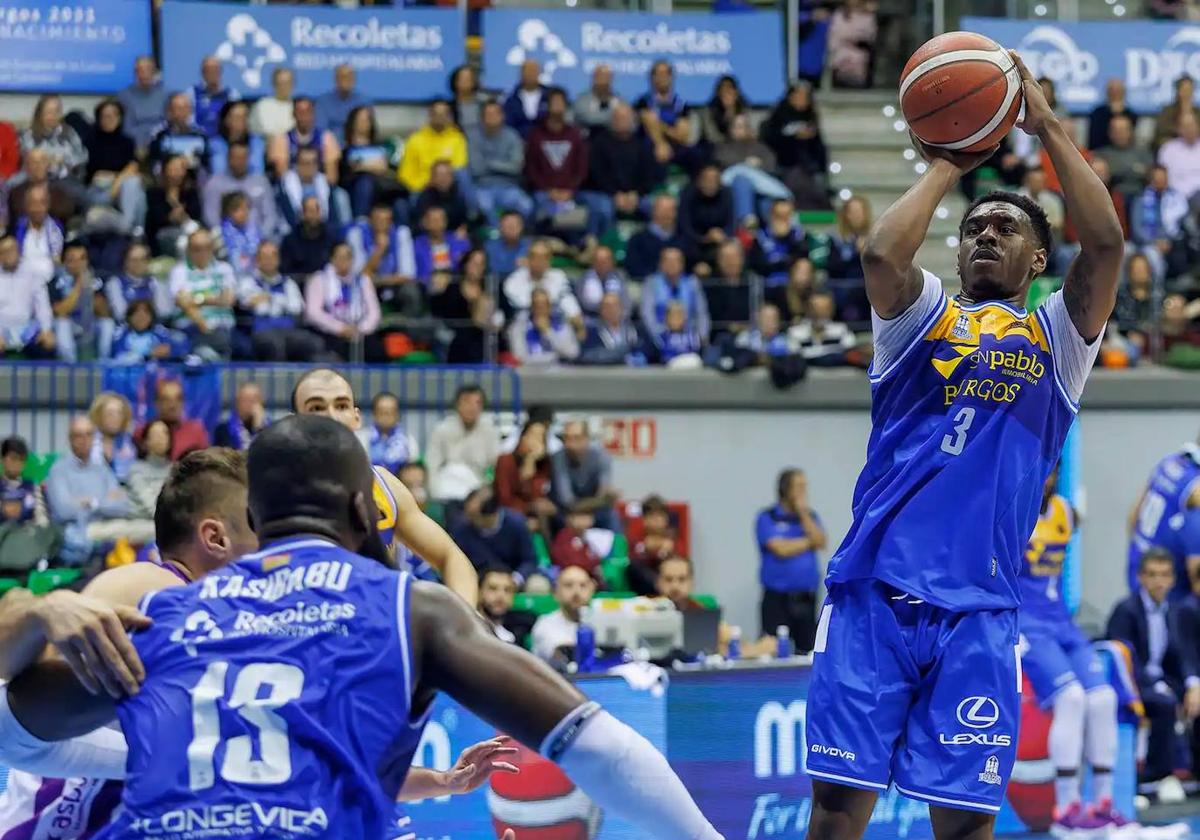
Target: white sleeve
(894, 336)
(177, 282)
(624, 774)
(100, 754)
(406, 260)
(1073, 357)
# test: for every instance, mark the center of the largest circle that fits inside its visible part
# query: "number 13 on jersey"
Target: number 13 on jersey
(954, 442)
(283, 684)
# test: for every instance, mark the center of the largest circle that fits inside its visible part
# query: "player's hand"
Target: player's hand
(90, 636)
(1038, 113)
(477, 764)
(1191, 702)
(964, 162)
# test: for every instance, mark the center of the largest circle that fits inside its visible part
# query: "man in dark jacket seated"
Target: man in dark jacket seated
(1151, 625)
(646, 246)
(622, 167)
(612, 339)
(492, 535)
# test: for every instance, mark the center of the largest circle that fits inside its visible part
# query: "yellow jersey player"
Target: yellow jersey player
(1067, 677)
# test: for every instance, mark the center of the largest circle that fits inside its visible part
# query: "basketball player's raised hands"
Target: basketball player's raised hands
(90, 635)
(477, 763)
(1038, 113)
(964, 162)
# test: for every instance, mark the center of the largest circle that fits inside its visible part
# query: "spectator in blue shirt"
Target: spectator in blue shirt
(140, 339)
(437, 250)
(239, 234)
(507, 251)
(667, 120)
(526, 105)
(234, 127)
(180, 137)
(81, 325)
(277, 304)
(671, 284)
(210, 97)
(135, 282)
(87, 500)
(493, 535)
(387, 442)
(789, 536)
(679, 344)
(334, 107)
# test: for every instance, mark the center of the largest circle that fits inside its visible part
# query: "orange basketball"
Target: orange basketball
(960, 91)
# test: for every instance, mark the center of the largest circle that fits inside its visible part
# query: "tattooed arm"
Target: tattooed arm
(1090, 288)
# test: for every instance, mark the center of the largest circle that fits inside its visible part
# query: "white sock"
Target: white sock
(1101, 786)
(1066, 743)
(1066, 790)
(1101, 740)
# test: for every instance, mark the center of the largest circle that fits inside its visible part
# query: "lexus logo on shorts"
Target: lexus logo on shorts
(978, 712)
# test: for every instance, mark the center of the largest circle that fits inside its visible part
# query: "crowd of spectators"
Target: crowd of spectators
(195, 224)
(535, 511)
(1151, 163)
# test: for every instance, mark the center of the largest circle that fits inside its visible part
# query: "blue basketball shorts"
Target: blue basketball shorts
(906, 692)
(1055, 655)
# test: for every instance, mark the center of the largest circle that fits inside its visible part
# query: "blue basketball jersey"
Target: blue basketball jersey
(1162, 514)
(1041, 573)
(970, 408)
(276, 703)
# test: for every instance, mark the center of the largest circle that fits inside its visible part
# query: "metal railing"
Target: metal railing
(37, 399)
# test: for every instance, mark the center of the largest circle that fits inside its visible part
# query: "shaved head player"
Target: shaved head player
(309, 730)
(326, 392)
(915, 671)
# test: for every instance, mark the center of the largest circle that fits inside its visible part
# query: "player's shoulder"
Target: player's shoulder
(130, 584)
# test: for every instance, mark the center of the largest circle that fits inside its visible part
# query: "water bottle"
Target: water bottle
(783, 639)
(735, 644)
(585, 641)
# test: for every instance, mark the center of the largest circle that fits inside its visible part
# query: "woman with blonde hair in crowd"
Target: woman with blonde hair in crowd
(112, 416)
(64, 150)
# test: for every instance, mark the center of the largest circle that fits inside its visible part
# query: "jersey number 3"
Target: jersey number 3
(274, 763)
(954, 443)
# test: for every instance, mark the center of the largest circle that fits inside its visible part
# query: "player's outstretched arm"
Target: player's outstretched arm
(87, 630)
(432, 544)
(1090, 288)
(520, 695)
(893, 280)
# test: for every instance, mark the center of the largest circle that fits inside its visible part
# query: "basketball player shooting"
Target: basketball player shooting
(915, 676)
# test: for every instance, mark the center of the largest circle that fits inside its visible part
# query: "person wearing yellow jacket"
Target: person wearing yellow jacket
(439, 139)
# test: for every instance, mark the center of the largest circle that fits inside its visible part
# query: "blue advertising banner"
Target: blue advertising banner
(77, 47)
(735, 737)
(1081, 57)
(399, 55)
(702, 47)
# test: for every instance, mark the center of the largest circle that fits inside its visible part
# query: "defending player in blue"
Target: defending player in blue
(286, 694)
(1068, 678)
(915, 672)
(1167, 515)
